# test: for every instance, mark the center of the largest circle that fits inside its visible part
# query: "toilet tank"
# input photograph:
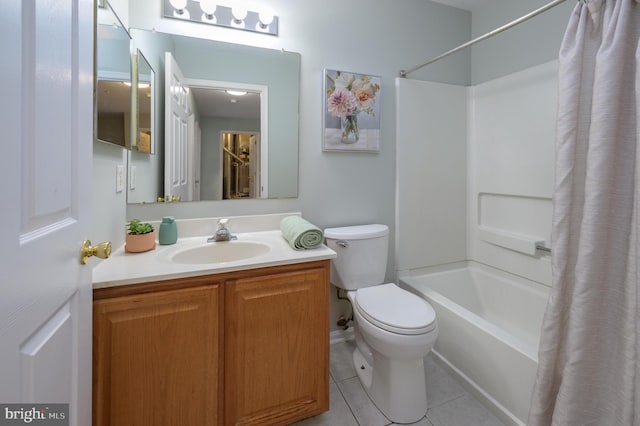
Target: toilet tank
(362, 255)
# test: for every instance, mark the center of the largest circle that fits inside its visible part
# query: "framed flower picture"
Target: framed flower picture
(351, 114)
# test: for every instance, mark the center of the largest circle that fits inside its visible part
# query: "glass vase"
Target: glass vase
(349, 128)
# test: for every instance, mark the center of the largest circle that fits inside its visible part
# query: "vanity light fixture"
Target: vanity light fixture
(260, 19)
(236, 92)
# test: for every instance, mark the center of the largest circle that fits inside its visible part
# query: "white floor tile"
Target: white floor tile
(463, 411)
(449, 403)
(362, 407)
(441, 387)
(422, 422)
(341, 360)
(338, 414)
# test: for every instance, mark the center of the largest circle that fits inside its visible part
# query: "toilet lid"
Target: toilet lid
(396, 310)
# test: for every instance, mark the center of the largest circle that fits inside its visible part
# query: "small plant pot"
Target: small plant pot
(140, 243)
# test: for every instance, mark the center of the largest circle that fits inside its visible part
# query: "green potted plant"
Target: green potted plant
(140, 237)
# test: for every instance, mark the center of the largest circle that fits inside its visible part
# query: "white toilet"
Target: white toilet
(394, 329)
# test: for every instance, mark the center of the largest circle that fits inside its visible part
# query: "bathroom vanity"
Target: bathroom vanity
(239, 343)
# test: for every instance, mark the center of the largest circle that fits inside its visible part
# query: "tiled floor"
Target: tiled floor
(449, 404)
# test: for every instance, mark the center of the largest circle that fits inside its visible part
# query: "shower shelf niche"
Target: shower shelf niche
(526, 244)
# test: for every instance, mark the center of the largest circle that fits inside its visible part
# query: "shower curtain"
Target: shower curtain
(589, 356)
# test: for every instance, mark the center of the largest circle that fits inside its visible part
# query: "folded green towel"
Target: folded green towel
(300, 233)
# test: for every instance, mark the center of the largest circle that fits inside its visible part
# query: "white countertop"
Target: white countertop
(131, 268)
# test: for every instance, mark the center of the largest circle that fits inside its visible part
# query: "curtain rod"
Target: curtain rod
(403, 73)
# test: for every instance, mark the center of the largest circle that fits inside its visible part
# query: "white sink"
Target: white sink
(220, 252)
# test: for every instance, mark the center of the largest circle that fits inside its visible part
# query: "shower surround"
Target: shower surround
(475, 170)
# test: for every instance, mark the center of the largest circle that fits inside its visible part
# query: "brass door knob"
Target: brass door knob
(102, 250)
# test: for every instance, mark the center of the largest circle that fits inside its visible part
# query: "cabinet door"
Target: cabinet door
(276, 348)
(156, 358)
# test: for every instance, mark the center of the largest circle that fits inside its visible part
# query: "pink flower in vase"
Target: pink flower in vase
(342, 103)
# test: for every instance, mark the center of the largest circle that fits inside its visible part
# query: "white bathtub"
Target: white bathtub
(489, 324)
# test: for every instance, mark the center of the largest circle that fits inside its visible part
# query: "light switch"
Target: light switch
(132, 178)
(119, 178)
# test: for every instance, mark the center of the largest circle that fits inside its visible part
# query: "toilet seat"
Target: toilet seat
(394, 309)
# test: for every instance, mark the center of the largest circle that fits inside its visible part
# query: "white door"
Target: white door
(197, 150)
(46, 117)
(254, 166)
(191, 141)
(176, 180)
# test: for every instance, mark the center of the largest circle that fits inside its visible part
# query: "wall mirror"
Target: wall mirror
(113, 79)
(265, 118)
(143, 117)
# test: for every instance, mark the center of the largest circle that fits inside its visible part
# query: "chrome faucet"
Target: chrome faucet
(222, 233)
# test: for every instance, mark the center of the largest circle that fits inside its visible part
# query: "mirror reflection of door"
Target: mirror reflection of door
(230, 110)
(177, 149)
(196, 111)
(240, 165)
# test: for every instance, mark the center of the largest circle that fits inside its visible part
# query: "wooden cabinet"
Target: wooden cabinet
(276, 348)
(157, 358)
(243, 348)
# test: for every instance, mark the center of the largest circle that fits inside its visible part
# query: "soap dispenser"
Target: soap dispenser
(168, 231)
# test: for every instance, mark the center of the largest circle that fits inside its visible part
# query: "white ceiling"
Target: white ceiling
(218, 103)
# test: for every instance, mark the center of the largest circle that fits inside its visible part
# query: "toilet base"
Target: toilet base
(397, 388)
(363, 368)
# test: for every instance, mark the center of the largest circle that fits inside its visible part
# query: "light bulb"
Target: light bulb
(209, 8)
(178, 5)
(179, 10)
(265, 16)
(239, 12)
